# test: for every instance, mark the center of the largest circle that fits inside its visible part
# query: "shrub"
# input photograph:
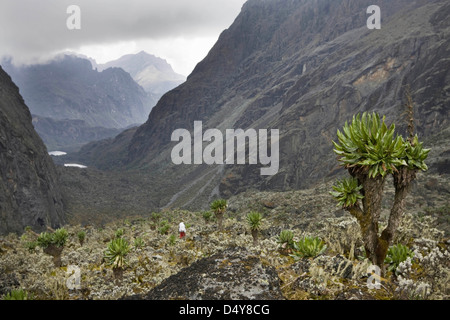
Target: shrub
(207, 215)
(396, 255)
(139, 243)
(156, 216)
(116, 252)
(172, 240)
(57, 238)
(119, 233)
(309, 247)
(219, 206)
(81, 236)
(60, 237)
(44, 240)
(53, 243)
(254, 220)
(286, 240)
(343, 235)
(19, 294)
(164, 227)
(31, 245)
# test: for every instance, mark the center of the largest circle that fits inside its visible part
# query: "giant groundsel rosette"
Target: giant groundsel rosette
(367, 143)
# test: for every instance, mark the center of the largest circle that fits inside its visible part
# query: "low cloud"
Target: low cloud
(33, 30)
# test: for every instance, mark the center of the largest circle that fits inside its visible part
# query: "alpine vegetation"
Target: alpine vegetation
(309, 247)
(254, 220)
(116, 253)
(219, 206)
(370, 150)
(53, 244)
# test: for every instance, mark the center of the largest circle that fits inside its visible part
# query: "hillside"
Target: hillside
(30, 193)
(69, 135)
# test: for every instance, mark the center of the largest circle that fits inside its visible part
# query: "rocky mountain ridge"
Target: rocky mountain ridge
(73, 104)
(30, 193)
(68, 88)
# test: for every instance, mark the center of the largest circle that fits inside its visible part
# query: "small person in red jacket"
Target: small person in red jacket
(182, 230)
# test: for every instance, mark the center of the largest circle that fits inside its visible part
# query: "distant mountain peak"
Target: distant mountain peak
(144, 53)
(153, 73)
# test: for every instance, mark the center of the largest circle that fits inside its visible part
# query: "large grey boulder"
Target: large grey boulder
(233, 274)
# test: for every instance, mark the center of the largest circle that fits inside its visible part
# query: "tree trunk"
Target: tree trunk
(118, 274)
(255, 237)
(376, 247)
(55, 252)
(220, 220)
(373, 192)
(402, 182)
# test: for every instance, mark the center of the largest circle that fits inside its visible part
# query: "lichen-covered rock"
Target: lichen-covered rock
(234, 274)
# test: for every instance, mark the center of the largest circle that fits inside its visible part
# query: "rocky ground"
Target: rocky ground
(213, 264)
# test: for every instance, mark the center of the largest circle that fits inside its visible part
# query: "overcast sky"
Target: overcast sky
(180, 31)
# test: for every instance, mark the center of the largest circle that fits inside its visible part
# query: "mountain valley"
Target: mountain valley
(264, 74)
(299, 68)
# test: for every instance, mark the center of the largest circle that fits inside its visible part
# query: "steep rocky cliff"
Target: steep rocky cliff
(303, 67)
(29, 189)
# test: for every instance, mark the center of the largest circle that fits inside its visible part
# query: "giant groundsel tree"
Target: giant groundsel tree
(370, 151)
